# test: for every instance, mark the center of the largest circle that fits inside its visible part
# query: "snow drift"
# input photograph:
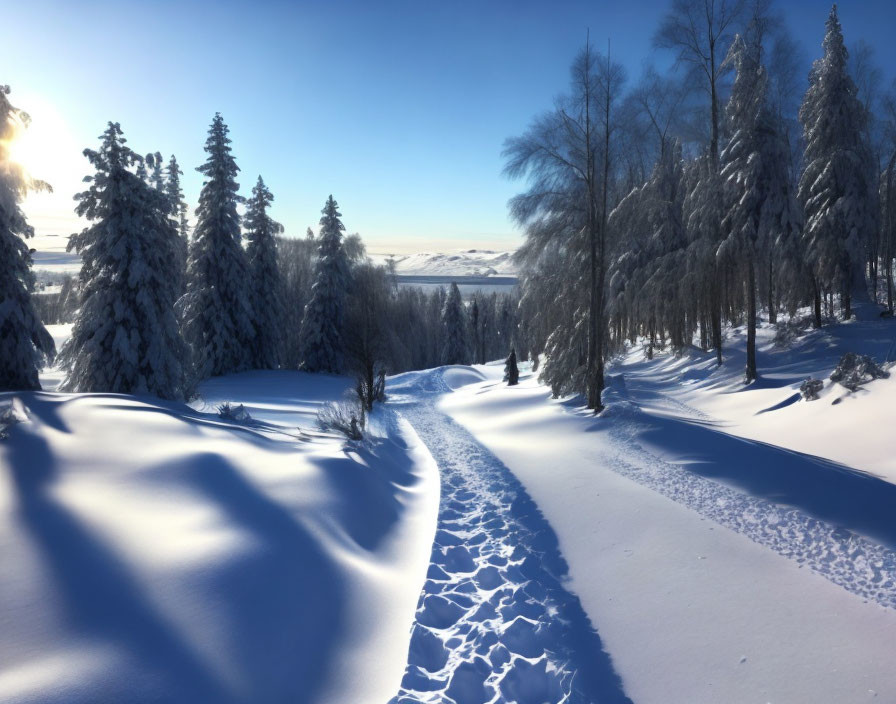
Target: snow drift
(154, 551)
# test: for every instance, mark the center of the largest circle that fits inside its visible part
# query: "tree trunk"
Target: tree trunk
(817, 299)
(716, 319)
(888, 230)
(772, 312)
(751, 322)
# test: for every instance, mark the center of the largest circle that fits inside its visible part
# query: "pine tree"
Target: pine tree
(25, 343)
(836, 188)
(475, 326)
(323, 347)
(456, 349)
(217, 313)
(125, 338)
(761, 210)
(178, 207)
(176, 196)
(265, 283)
(156, 174)
(511, 372)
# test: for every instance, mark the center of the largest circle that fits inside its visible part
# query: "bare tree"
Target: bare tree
(700, 31)
(657, 100)
(566, 154)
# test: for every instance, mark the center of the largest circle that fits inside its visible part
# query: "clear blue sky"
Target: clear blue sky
(397, 108)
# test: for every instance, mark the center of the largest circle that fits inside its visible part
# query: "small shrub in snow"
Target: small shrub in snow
(788, 331)
(8, 418)
(346, 417)
(228, 411)
(810, 389)
(854, 370)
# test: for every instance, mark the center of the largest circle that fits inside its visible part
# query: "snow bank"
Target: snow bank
(841, 426)
(154, 551)
(688, 608)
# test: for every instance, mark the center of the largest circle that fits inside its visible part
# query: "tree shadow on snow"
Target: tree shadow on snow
(840, 495)
(284, 599)
(101, 598)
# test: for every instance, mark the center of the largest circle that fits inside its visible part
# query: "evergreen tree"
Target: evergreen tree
(456, 349)
(511, 372)
(760, 205)
(323, 347)
(475, 326)
(265, 283)
(217, 314)
(178, 207)
(156, 174)
(125, 338)
(176, 196)
(836, 188)
(24, 342)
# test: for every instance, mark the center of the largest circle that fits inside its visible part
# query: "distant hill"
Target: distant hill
(468, 262)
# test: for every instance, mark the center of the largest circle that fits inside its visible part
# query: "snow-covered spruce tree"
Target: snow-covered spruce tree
(156, 175)
(836, 188)
(216, 311)
(475, 325)
(265, 283)
(176, 196)
(25, 343)
(125, 337)
(323, 345)
(511, 371)
(702, 213)
(456, 349)
(178, 206)
(759, 204)
(645, 276)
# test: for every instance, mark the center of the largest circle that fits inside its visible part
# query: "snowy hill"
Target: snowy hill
(471, 262)
(157, 552)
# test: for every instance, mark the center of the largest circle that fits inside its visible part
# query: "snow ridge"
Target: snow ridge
(494, 622)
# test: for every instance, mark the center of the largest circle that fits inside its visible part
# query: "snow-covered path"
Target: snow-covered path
(494, 622)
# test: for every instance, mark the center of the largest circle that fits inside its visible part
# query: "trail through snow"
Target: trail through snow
(494, 622)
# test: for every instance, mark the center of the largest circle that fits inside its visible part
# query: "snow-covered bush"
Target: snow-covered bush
(810, 389)
(228, 411)
(853, 370)
(790, 330)
(345, 416)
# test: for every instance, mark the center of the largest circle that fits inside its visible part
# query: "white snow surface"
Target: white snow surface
(699, 541)
(688, 608)
(153, 551)
(468, 262)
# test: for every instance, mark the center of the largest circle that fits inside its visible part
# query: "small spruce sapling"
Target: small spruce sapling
(511, 372)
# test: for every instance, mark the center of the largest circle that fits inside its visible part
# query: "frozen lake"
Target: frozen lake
(468, 285)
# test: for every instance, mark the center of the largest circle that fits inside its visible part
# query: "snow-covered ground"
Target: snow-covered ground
(713, 568)
(468, 262)
(700, 541)
(494, 622)
(847, 428)
(153, 551)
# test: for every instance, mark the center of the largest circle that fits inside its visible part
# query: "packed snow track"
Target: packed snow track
(494, 622)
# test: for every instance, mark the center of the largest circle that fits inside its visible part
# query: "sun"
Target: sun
(41, 143)
(19, 148)
(24, 148)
